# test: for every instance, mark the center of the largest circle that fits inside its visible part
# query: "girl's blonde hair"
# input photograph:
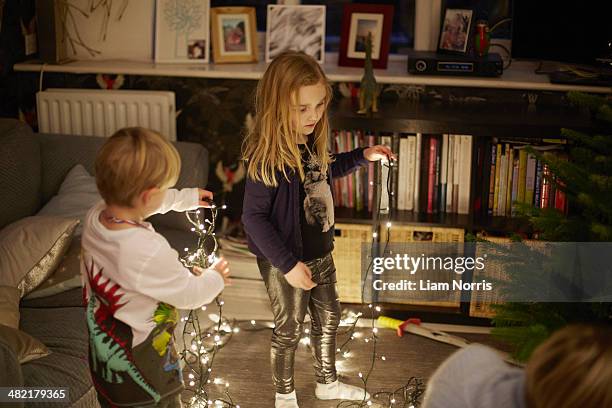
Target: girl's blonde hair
(271, 144)
(134, 160)
(573, 368)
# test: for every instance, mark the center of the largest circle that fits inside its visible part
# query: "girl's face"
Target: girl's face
(309, 108)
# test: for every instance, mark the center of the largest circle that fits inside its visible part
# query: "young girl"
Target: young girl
(288, 215)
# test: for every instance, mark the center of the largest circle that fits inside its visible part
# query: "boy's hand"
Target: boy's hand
(222, 268)
(205, 197)
(300, 277)
(379, 152)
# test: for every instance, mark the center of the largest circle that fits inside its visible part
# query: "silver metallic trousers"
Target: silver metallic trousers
(289, 307)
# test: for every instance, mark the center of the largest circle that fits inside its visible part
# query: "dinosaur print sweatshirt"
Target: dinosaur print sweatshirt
(133, 285)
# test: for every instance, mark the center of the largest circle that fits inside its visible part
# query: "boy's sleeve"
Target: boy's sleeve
(179, 200)
(256, 209)
(344, 163)
(166, 279)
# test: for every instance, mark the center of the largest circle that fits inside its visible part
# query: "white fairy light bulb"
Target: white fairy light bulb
(369, 403)
(374, 235)
(193, 229)
(370, 305)
(378, 308)
(393, 400)
(186, 249)
(384, 358)
(375, 330)
(388, 224)
(306, 331)
(360, 375)
(203, 307)
(236, 329)
(253, 322)
(191, 376)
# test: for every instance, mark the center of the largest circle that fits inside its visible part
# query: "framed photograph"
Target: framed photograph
(182, 31)
(358, 21)
(297, 28)
(234, 34)
(455, 31)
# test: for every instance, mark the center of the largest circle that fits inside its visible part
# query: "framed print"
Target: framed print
(455, 31)
(234, 34)
(182, 31)
(297, 28)
(358, 21)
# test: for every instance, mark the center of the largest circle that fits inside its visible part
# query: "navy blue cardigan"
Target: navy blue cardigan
(271, 215)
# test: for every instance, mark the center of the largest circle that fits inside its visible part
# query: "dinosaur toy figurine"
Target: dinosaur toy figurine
(368, 90)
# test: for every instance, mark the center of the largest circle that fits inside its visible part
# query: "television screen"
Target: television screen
(561, 30)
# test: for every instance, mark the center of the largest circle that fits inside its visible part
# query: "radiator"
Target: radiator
(98, 112)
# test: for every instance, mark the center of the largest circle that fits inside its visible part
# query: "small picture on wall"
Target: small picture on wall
(455, 31)
(297, 28)
(181, 30)
(234, 36)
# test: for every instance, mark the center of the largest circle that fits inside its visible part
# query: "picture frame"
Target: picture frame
(357, 20)
(455, 31)
(179, 39)
(295, 27)
(234, 34)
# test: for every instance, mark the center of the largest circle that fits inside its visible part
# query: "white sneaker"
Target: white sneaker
(286, 400)
(340, 391)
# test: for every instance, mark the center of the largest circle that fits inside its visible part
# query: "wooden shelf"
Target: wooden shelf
(495, 119)
(520, 75)
(351, 216)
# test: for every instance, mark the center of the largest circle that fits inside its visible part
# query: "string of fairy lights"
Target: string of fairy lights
(202, 343)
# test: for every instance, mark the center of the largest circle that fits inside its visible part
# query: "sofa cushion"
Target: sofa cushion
(20, 171)
(60, 153)
(23, 346)
(69, 298)
(64, 332)
(77, 194)
(32, 248)
(67, 275)
(9, 306)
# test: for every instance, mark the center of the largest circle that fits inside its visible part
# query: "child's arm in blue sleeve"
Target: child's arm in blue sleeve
(256, 210)
(345, 163)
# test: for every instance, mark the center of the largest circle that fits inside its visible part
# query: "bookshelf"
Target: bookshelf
(487, 125)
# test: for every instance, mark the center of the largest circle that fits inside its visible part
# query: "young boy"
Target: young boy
(133, 279)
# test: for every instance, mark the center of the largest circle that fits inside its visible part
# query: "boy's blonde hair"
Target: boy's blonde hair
(134, 160)
(573, 368)
(271, 144)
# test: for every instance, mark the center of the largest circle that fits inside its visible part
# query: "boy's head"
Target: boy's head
(573, 368)
(135, 161)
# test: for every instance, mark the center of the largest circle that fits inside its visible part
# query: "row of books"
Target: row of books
(434, 173)
(508, 174)
(357, 189)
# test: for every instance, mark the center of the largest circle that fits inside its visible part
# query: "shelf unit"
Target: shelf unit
(507, 121)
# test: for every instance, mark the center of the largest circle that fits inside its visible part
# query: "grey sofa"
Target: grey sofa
(32, 167)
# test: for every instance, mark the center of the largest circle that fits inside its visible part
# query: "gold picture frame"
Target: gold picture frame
(234, 34)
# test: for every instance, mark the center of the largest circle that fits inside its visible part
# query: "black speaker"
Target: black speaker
(431, 63)
(51, 46)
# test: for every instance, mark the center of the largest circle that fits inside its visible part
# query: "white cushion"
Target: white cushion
(77, 194)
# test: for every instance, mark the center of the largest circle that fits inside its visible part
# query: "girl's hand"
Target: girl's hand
(300, 277)
(204, 198)
(378, 152)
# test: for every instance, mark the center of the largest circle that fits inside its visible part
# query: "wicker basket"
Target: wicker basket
(481, 301)
(347, 258)
(407, 234)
